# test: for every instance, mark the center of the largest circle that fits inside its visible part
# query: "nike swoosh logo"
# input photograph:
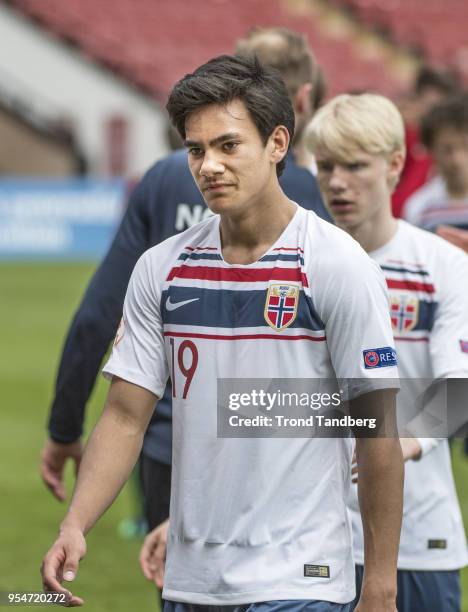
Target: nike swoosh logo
(174, 305)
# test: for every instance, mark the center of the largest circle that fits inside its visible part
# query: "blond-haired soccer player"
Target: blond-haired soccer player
(358, 141)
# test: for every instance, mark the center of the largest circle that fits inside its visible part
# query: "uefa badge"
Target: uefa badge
(404, 311)
(281, 306)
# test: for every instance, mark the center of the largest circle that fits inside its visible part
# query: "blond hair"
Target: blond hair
(347, 123)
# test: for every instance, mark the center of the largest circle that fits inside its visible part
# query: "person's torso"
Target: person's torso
(174, 205)
(432, 535)
(249, 515)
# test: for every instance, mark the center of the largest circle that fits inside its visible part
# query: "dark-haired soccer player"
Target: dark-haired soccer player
(253, 520)
(442, 204)
(165, 202)
(359, 145)
(444, 199)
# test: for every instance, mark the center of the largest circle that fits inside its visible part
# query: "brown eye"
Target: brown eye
(195, 151)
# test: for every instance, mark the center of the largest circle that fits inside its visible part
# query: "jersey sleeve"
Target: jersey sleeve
(353, 303)
(138, 355)
(448, 343)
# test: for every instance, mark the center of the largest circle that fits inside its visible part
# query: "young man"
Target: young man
(444, 200)
(252, 520)
(431, 87)
(359, 145)
(164, 203)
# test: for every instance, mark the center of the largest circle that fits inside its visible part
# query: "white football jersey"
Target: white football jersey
(431, 206)
(255, 519)
(427, 280)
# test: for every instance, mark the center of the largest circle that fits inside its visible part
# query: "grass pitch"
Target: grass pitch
(35, 309)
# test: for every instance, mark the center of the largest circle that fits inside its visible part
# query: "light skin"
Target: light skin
(450, 152)
(380, 469)
(111, 453)
(381, 498)
(456, 236)
(237, 175)
(258, 211)
(236, 172)
(54, 455)
(357, 192)
(303, 111)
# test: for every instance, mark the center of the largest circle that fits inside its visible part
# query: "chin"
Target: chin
(345, 221)
(219, 205)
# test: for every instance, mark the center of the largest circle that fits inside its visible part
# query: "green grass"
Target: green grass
(35, 308)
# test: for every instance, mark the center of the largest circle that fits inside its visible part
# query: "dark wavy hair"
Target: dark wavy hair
(452, 112)
(227, 78)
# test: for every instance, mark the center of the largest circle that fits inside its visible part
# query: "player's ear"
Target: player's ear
(278, 143)
(395, 166)
(302, 99)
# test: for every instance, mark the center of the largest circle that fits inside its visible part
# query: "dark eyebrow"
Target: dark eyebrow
(215, 141)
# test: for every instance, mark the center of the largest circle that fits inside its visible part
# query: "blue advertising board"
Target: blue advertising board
(62, 219)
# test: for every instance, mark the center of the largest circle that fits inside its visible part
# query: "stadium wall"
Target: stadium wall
(62, 84)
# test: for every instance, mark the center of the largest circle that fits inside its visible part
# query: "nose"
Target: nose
(337, 180)
(211, 165)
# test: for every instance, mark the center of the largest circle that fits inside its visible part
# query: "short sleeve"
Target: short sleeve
(138, 354)
(448, 343)
(354, 307)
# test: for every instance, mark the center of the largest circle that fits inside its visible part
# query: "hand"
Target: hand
(456, 236)
(410, 448)
(61, 563)
(53, 458)
(153, 554)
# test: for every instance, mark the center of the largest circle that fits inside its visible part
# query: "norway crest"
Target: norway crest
(281, 306)
(404, 311)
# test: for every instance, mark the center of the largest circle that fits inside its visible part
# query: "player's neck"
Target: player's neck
(245, 237)
(302, 156)
(376, 232)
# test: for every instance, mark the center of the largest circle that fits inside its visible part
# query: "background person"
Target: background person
(444, 200)
(431, 87)
(359, 145)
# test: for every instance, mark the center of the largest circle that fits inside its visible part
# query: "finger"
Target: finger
(159, 573)
(49, 571)
(159, 559)
(145, 558)
(74, 601)
(53, 481)
(70, 567)
(159, 578)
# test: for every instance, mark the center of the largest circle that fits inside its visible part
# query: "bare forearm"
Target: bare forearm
(380, 492)
(111, 453)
